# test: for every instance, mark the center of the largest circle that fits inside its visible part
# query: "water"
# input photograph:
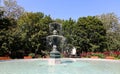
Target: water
(67, 66)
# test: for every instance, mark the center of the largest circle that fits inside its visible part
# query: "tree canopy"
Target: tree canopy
(111, 24)
(89, 34)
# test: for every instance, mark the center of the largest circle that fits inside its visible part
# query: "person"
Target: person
(73, 52)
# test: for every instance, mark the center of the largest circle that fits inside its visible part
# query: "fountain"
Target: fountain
(56, 41)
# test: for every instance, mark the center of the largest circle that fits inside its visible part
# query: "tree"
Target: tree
(33, 29)
(12, 10)
(6, 29)
(68, 26)
(7, 23)
(111, 23)
(59, 20)
(30, 18)
(89, 34)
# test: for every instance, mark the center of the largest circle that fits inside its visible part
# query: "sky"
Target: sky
(64, 9)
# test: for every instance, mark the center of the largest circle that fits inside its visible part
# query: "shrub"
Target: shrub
(100, 55)
(32, 55)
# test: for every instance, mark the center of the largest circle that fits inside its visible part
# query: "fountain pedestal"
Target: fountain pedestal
(54, 53)
(54, 56)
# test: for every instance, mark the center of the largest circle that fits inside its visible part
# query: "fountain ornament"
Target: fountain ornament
(55, 41)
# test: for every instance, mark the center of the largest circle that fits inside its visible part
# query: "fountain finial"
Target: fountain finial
(54, 32)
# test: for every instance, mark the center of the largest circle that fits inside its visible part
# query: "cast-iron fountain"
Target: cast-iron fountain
(55, 41)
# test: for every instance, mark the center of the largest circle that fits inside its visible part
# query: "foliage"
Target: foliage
(33, 29)
(100, 55)
(6, 23)
(89, 34)
(8, 16)
(68, 26)
(12, 9)
(32, 55)
(111, 23)
(6, 29)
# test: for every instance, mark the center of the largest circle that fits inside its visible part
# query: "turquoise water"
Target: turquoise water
(67, 67)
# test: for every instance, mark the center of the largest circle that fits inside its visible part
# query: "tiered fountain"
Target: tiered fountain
(55, 41)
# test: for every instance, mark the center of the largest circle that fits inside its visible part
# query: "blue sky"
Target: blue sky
(64, 9)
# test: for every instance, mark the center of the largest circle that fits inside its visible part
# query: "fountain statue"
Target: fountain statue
(56, 40)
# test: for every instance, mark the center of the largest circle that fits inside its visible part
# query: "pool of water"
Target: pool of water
(67, 66)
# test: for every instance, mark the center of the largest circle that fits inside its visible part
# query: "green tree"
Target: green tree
(59, 20)
(111, 23)
(6, 29)
(33, 29)
(89, 34)
(9, 14)
(68, 27)
(30, 18)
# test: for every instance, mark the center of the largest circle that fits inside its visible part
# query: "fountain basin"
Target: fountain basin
(67, 66)
(55, 54)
